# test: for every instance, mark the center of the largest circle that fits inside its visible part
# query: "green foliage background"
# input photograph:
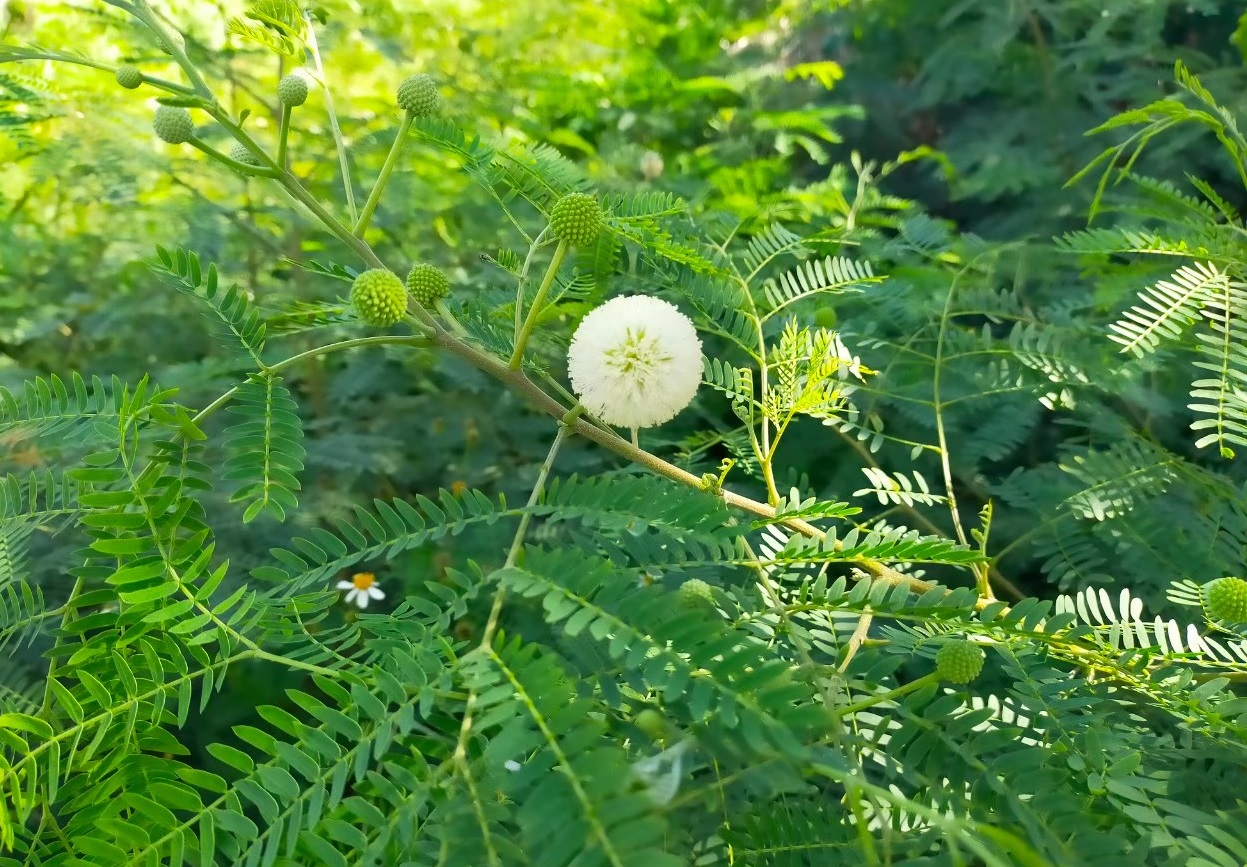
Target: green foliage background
(933, 140)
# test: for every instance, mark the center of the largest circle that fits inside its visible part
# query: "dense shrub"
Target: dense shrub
(309, 554)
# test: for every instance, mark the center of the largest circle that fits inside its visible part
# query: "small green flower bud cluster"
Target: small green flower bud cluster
(292, 90)
(129, 76)
(240, 153)
(379, 297)
(959, 661)
(576, 219)
(418, 95)
(427, 284)
(173, 125)
(178, 39)
(695, 593)
(1227, 600)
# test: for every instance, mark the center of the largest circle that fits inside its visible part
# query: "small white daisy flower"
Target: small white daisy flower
(635, 361)
(361, 588)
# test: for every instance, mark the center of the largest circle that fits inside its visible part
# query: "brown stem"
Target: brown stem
(517, 380)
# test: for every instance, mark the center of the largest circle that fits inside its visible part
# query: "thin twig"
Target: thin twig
(334, 128)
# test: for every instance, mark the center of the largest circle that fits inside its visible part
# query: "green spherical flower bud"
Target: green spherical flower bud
(240, 153)
(178, 39)
(695, 593)
(418, 95)
(173, 125)
(426, 283)
(825, 317)
(129, 76)
(1227, 600)
(379, 298)
(292, 90)
(959, 661)
(652, 723)
(576, 219)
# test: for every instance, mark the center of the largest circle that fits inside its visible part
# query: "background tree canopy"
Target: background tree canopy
(1002, 360)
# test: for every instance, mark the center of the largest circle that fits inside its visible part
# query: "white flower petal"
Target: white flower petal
(375, 592)
(651, 165)
(354, 592)
(635, 361)
(346, 585)
(362, 599)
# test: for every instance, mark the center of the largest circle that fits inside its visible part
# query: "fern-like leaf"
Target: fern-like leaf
(898, 489)
(41, 498)
(14, 536)
(47, 406)
(1118, 240)
(898, 544)
(831, 275)
(1114, 480)
(642, 627)
(632, 503)
(725, 309)
(446, 136)
(808, 508)
(1223, 353)
(281, 27)
(22, 614)
(1168, 308)
(772, 242)
(539, 722)
(395, 527)
(304, 316)
(238, 315)
(265, 449)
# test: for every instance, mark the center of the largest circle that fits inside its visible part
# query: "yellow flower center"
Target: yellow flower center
(363, 580)
(637, 354)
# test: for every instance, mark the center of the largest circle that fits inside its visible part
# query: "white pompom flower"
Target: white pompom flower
(361, 588)
(635, 361)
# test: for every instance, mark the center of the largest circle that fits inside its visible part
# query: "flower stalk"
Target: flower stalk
(240, 167)
(530, 321)
(880, 697)
(365, 216)
(335, 129)
(283, 136)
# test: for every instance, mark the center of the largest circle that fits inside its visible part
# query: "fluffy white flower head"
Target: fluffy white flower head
(635, 361)
(361, 588)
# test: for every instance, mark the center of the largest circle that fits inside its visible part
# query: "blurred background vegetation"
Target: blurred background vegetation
(939, 131)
